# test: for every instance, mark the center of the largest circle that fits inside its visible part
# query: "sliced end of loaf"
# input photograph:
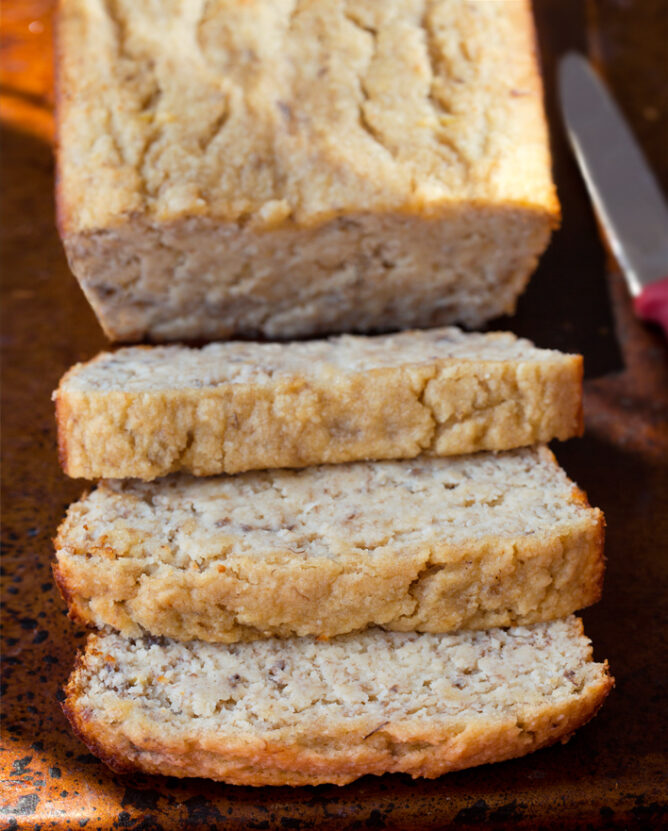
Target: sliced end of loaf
(308, 712)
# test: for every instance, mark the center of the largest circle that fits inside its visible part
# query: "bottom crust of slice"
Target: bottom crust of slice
(263, 763)
(146, 731)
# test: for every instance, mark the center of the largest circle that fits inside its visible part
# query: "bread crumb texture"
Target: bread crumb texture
(430, 544)
(304, 711)
(280, 168)
(230, 407)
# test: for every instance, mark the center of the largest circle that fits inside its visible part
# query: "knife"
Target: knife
(627, 199)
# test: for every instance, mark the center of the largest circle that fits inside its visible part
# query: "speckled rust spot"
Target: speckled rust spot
(612, 773)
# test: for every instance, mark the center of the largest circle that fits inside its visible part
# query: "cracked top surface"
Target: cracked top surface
(134, 369)
(267, 111)
(328, 511)
(375, 675)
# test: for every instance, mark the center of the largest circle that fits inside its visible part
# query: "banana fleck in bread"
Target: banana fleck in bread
(288, 168)
(144, 412)
(304, 712)
(430, 544)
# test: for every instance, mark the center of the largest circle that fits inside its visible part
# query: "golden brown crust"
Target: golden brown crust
(96, 740)
(381, 167)
(62, 418)
(580, 410)
(257, 760)
(525, 22)
(65, 590)
(297, 421)
(68, 594)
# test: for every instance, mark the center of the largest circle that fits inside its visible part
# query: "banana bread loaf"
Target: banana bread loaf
(303, 712)
(289, 168)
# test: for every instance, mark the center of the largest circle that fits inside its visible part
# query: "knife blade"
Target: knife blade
(626, 197)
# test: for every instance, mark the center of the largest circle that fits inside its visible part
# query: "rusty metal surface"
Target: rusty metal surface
(612, 773)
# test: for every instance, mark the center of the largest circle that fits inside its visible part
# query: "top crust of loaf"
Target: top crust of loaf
(269, 112)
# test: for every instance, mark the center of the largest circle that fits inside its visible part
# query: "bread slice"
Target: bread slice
(305, 712)
(432, 545)
(283, 169)
(231, 407)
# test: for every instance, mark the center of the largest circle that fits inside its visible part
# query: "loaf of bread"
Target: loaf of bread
(305, 712)
(280, 169)
(432, 544)
(229, 407)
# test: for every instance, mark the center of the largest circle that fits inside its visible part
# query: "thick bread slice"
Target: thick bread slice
(303, 712)
(431, 544)
(231, 407)
(282, 169)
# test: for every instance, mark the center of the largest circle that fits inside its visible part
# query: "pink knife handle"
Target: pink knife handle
(652, 303)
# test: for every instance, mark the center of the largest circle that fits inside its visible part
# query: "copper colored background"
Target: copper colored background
(612, 773)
